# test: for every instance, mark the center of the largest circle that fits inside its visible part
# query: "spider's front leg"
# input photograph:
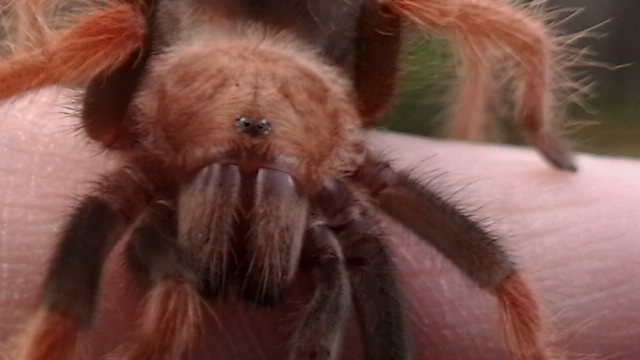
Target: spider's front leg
(465, 243)
(101, 43)
(72, 284)
(377, 57)
(479, 29)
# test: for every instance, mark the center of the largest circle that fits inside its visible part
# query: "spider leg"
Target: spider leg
(105, 111)
(376, 294)
(277, 223)
(171, 310)
(106, 103)
(99, 44)
(479, 28)
(72, 284)
(465, 243)
(319, 332)
(106, 114)
(378, 298)
(377, 57)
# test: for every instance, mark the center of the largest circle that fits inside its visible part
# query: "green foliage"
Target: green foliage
(427, 71)
(615, 128)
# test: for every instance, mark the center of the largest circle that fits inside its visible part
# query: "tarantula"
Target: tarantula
(240, 126)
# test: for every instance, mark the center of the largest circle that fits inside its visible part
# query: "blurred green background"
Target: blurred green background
(607, 122)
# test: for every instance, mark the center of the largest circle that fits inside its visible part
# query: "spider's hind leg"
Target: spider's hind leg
(106, 111)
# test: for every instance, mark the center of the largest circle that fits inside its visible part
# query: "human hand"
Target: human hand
(575, 237)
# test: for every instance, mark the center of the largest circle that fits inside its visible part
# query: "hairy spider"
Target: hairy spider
(240, 126)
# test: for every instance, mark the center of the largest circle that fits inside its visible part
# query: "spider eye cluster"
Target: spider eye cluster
(255, 128)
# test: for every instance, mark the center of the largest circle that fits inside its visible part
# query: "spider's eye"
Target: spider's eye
(264, 127)
(243, 123)
(254, 128)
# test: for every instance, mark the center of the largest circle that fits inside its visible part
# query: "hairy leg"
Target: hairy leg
(321, 328)
(72, 285)
(96, 45)
(480, 28)
(170, 316)
(466, 244)
(377, 60)
(376, 293)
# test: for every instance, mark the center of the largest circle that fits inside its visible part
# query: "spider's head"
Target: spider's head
(251, 104)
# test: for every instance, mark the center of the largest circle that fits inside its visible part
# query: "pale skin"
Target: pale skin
(575, 237)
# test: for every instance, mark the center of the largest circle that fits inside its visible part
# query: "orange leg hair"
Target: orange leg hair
(98, 44)
(480, 28)
(169, 323)
(50, 336)
(170, 316)
(522, 320)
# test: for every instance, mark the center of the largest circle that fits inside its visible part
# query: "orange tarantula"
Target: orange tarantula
(240, 127)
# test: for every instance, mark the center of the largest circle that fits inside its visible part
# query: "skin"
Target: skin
(574, 236)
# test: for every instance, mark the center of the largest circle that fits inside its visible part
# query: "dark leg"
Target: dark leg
(378, 300)
(107, 98)
(465, 243)
(376, 294)
(171, 310)
(379, 43)
(105, 109)
(319, 333)
(72, 285)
